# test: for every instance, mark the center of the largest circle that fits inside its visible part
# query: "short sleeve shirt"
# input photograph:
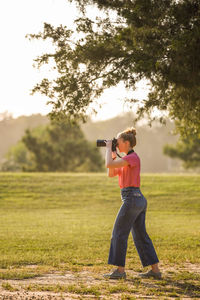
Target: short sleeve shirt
(130, 175)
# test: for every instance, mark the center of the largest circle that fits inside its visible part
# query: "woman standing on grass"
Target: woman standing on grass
(131, 216)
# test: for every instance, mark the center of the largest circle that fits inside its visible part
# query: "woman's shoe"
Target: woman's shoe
(115, 275)
(149, 274)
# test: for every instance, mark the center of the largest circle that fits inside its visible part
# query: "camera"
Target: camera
(101, 143)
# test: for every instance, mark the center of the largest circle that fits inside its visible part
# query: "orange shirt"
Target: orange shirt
(130, 174)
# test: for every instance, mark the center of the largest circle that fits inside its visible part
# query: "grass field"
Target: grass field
(56, 223)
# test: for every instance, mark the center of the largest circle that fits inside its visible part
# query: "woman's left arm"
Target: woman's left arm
(110, 163)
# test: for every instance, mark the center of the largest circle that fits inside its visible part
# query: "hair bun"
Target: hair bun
(131, 130)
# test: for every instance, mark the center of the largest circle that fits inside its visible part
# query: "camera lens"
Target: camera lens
(101, 143)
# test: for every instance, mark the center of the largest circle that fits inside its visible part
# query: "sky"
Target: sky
(17, 54)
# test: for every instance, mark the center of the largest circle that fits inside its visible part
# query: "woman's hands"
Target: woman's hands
(109, 146)
(110, 162)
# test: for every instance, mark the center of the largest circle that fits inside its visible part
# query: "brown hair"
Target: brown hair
(128, 135)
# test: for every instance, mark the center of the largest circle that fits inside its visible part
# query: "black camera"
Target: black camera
(101, 143)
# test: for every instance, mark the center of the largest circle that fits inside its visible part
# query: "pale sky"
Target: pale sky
(17, 75)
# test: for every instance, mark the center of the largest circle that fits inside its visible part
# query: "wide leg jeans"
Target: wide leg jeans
(131, 217)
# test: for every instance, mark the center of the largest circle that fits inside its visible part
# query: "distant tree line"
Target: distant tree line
(12, 129)
(63, 146)
(59, 146)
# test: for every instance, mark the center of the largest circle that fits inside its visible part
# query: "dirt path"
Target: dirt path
(88, 285)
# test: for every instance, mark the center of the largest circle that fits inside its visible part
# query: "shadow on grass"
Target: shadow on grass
(185, 287)
(169, 286)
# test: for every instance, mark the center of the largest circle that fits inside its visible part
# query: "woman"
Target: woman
(131, 216)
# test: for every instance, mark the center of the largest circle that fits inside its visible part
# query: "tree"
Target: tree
(187, 149)
(17, 159)
(134, 39)
(60, 146)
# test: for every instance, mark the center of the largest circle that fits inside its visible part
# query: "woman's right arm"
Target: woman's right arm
(113, 171)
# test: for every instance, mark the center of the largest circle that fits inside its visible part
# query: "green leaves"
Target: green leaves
(141, 39)
(187, 149)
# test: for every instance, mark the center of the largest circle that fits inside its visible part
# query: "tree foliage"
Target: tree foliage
(60, 146)
(187, 149)
(134, 39)
(17, 159)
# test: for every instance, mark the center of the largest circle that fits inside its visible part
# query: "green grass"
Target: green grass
(64, 222)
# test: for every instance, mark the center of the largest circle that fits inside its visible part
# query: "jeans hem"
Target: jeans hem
(149, 264)
(114, 264)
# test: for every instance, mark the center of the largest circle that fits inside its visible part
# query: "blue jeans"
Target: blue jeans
(131, 217)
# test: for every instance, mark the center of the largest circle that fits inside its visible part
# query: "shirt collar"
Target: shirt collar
(131, 151)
